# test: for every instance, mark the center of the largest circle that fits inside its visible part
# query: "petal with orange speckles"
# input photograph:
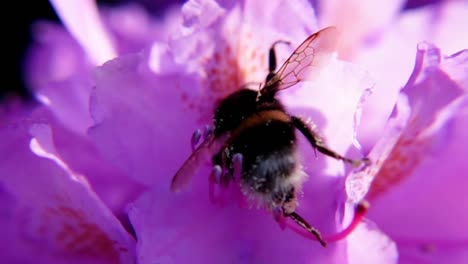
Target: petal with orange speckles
(49, 214)
(417, 178)
(388, 53)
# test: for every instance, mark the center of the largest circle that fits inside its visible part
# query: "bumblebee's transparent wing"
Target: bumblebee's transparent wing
(193, 163)
(315, 52)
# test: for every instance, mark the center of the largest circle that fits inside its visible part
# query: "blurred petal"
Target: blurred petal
(111, 185)
(367, 244)
(434, 98)
(82, 20)
(426, 220)
(389, 54)
(50, 215)
(424, 166)
(357, 18)
(59, 72)
(133, 28)
(54, 56)
(59, 76)
(293, 20)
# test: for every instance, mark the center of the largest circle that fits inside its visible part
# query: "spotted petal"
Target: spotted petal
(49, 213)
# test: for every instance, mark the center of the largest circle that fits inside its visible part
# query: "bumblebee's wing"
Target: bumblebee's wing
(314, 53)
(193, 163)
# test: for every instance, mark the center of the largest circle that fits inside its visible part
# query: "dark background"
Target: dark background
(20, 15)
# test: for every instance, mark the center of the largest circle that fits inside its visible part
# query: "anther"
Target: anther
(196, 138)
(279, 216)
(208, 131)
(237, 161)
(359, 213)
(216, 174)
(214, 178)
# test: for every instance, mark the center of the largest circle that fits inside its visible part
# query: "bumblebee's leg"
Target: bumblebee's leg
(300, 221)
(317, 142)
(272, 63)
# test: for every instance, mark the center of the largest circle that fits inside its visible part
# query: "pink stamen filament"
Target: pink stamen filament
(359, 213)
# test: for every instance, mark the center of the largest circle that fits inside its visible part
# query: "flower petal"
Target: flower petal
(436, 228)
(81, 156)
(82, 20)
(51, 213)
(367, 244)
(423, 163)
(389, 53)
(357, 19)
(434, 98)
(141, 118)
(186, 227)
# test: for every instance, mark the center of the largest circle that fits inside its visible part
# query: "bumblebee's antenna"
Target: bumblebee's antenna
(300, 221)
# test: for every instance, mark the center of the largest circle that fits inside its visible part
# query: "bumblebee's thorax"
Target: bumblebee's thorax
(240, 105)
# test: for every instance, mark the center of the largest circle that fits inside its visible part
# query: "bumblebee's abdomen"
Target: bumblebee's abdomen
(268, 146)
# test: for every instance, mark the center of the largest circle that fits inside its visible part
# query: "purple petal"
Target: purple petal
(186, 227)
(423, 162)
(77, 151)
(133, 28)
(367, 244)
(49, 213)
(141, 119)
(427, 220)
(58, 69)
(59, 76)
(433, 98)
(357, 19)
(82, 19)
(389, 54)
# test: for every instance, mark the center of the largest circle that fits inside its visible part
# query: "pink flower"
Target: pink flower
(121, 98)
(418, 165)
(50, 213)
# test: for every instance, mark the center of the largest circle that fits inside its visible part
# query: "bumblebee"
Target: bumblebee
(254, 138)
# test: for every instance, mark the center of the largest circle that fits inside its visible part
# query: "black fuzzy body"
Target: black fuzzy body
(261, 131)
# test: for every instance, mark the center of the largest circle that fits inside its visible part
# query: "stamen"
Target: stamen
(237, 162)
(359, 214)
(196, 138)
(279, 217)
(215, 177)
(208, 131)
